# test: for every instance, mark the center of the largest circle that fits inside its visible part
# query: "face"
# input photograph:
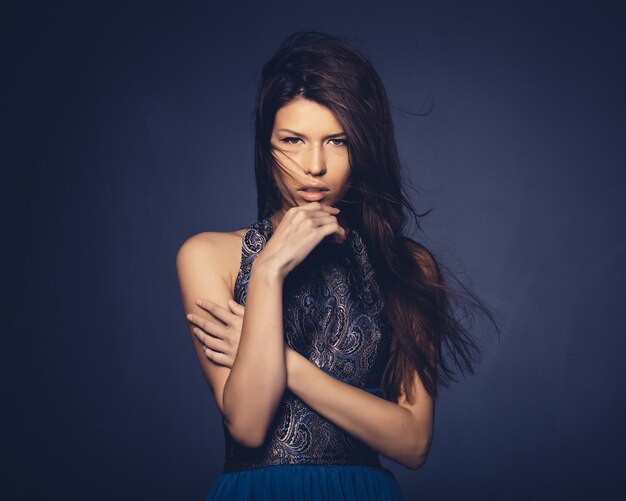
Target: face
(310, 148)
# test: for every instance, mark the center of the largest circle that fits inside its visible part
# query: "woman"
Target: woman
(320, 328)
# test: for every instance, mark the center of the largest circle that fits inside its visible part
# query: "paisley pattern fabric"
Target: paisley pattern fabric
(333, 315)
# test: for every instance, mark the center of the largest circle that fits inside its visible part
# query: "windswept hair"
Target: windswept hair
(428, 317)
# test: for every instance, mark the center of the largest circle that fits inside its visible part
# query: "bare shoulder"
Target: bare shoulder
(221, 248)
(425, 259)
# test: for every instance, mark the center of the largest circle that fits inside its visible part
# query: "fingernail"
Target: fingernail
(189, 317)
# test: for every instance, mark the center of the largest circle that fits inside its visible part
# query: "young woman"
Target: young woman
(320, 328)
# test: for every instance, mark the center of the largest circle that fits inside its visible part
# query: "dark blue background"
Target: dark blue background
(127, 128)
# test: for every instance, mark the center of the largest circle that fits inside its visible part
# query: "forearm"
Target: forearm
(385, 426)
(258, 376)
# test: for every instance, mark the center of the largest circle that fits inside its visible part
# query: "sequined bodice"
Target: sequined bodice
(334, 316)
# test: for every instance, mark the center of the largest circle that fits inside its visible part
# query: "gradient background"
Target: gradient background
(127, 127)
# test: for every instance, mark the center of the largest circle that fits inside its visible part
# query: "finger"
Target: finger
(323, 218)
(209, 341)
(340, 238)
(218, 330)
(237, 308)
(330, 219)
(330, 228)
(317, 206)
(218, 357)
(216, 310)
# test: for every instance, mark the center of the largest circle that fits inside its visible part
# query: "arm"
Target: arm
(258, 376)
(248, 399)
(401, 432)
(253, 386)
(198, 266)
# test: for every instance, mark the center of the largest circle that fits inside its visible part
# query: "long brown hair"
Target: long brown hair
(426, 314)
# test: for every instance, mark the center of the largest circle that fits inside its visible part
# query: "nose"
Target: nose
(315, 161)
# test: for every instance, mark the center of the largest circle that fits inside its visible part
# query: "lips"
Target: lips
(315, 188)
(312, 195)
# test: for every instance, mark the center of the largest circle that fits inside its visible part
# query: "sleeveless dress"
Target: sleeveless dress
(332, 315)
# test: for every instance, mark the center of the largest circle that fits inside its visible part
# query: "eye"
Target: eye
(290, 140)
(342, 142)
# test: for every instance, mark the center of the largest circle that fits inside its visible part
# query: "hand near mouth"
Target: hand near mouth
(300, 230)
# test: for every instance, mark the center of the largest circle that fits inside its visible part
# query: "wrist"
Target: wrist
(268, 268)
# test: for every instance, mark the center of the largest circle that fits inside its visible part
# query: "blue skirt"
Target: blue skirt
(305, 482)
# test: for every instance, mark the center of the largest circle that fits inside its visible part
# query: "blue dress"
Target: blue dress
(333, 315)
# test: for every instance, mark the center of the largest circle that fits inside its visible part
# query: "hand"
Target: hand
(220, 340)
(300, 230)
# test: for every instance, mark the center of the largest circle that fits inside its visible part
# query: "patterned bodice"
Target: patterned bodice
(334, 316)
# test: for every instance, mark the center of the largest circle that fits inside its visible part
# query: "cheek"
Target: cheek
(339, 163)
(285, 183)
(347, 173)
(344, 183)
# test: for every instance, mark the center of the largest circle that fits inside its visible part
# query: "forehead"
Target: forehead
(300, 114)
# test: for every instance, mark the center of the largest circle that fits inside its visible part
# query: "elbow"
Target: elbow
(248, 436)
(250, 424)
(248, 427)
(249, 440)
(249, 433)
(416, 461)
(419, 453)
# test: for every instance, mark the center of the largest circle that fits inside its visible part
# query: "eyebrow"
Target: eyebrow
(302, 135)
